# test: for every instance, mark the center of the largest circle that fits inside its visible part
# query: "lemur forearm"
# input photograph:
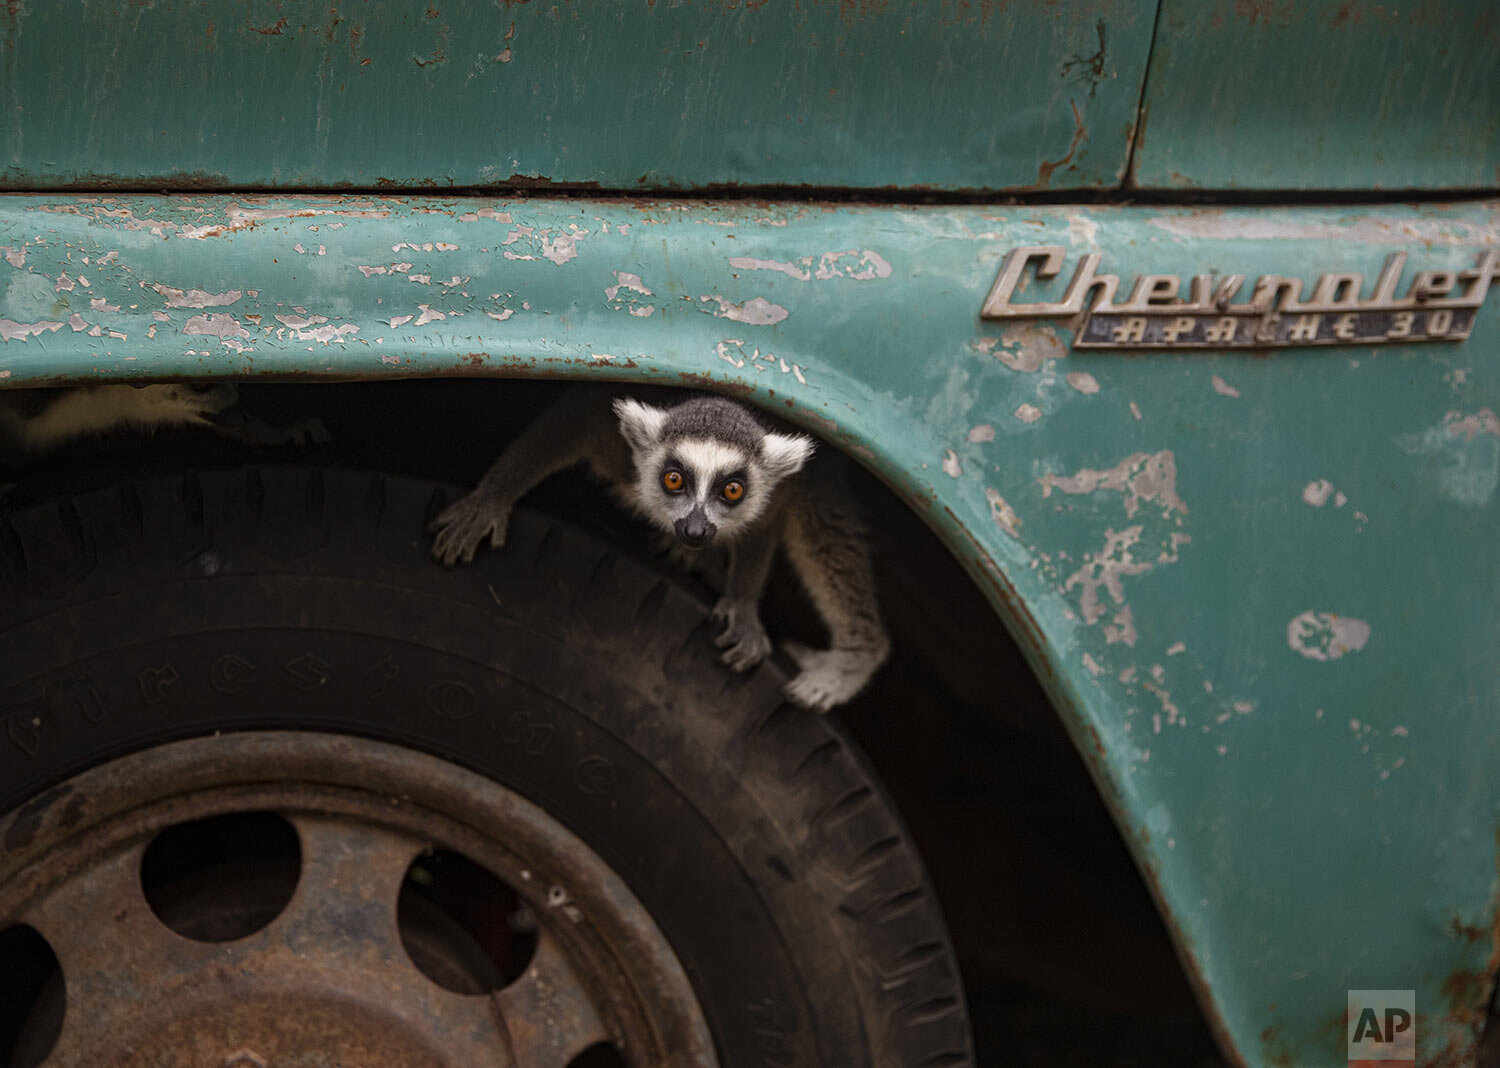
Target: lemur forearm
(750, 560)
(743, 637)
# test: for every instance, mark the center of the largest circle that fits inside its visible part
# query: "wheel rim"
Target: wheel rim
(334, 968)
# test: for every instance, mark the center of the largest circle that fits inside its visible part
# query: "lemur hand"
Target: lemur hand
(464, 524)
(830, 677)
(743, 638)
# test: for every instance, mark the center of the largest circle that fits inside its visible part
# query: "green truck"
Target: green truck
(1154, 336)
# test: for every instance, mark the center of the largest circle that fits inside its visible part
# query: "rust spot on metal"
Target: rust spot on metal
(1266, 11)
(697, 380)
(1080, 135)
(14, 9)
(1088, 70)
(1469, 932)
(1097, 744)
(1275, 1050)
(1347, 12)
(1468, 991)
(1463, 989)
(204, 181)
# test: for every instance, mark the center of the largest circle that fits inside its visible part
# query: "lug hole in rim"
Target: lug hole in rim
(222, 878)
(463, 927)
(599, 1055)
(32, 997)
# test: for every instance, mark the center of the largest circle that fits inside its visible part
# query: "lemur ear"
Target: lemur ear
(784, 454)
(640, 423)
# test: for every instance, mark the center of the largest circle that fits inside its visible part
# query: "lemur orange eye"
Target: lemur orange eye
(672, 481)
(733, 491)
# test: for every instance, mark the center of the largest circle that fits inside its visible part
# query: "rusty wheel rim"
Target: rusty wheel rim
(330, 975)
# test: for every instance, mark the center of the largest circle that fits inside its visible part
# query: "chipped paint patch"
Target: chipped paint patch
(1467, 451)
(1028, 413)
(951, 467)
(562, 248)
(196, 298)
(981, 433)
(1003, 514)
(860, 265)
(757, 311)
(1121, 629)
(1106, 570)
(485, 213)
(308, 328)
(629, 284)
(425, 246)
(800, 270)
(559, 248)
(1482, 422)
(1223, 388)
(1139, 477)
(1083, 382)
(1025, 347)
(10, 330)
(733, 351)
(1326, 636)
(626, 280)
(217, 324)
(16, 257)
(1317, 492)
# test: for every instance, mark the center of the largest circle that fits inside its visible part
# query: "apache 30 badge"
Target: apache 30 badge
(1438, 306)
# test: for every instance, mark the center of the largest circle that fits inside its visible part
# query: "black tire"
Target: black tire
(563, 667)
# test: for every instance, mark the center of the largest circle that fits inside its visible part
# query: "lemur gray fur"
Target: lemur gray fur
(706, 471)
(36, 421)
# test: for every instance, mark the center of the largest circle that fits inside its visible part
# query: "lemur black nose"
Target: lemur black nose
(694, 530)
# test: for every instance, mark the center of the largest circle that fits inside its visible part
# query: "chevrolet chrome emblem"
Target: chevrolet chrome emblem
(1438, 306)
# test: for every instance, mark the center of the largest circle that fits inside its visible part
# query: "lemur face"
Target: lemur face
(706, 468)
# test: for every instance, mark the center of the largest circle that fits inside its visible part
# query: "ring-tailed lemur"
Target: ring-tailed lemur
(35, 421)
(706, 470)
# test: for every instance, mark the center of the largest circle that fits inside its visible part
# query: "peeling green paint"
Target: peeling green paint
(1261, 589)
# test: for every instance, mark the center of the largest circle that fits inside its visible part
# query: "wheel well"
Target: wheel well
(1046, 908)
